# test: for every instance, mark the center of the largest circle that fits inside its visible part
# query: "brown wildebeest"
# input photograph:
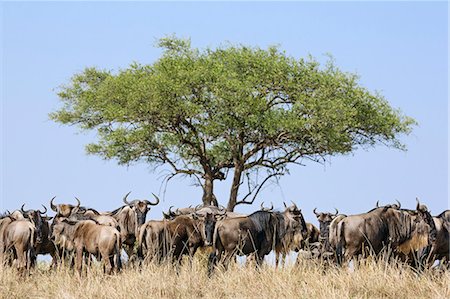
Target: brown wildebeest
(19, 238)
(259, 233)
(88, 236)
(440, 248)
(201, 210)
(130, 217)
(384, 227)
(295, 231)
(174, 238)
(64, 210)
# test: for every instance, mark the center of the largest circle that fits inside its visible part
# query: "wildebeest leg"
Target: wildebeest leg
(79, 260)
(227, 259)
(277, 258)
(129, 250)
(107, 263)
(212, 261)
(21, 259)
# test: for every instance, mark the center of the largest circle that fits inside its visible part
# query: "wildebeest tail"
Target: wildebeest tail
(340, 243)
(118, 247)
(141, 239)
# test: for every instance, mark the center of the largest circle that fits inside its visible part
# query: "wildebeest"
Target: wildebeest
(43, 243)
(295, 231)
(258, 234)
(18, 238)
(439, 250)
(130, 217)
(174, 238)
(87, 236)
(384, 227)
(64, 210)
(201, 210)
(325, 220)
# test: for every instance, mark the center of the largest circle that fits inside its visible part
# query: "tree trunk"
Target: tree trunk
(235, 187)
(208, 191)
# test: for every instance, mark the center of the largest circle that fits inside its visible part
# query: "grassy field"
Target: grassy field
(304, 280)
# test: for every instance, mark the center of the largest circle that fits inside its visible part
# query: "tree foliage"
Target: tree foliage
(204, 112)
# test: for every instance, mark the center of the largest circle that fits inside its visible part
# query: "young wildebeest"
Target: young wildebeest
(380, 228)
(87, 236)
(259, 233)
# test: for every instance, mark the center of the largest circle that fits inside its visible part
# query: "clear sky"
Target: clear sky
(397, 48)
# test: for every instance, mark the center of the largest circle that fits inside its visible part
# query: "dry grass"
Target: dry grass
(305, 280)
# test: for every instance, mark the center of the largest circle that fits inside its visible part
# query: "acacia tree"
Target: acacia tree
(245, 109)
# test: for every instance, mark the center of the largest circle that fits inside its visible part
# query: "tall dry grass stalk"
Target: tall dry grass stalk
(368, 279)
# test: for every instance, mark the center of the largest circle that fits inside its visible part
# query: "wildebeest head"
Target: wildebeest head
(294, 215)
(396, 206)
(64, 210)
(425, 215)
(325, 221)
(140, 207)
(39, 221)
(208, 224)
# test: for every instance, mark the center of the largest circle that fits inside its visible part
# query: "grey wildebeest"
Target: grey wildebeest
(18, 238)
(295, 231)
(381, 228)
(258, 234)
(43, 243)
(87, 236)
(130, 217)
(174, 238)
(325, 220)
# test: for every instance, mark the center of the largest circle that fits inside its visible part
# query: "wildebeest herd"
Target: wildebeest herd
(77, 235)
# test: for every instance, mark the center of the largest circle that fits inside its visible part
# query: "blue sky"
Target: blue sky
(398, 48)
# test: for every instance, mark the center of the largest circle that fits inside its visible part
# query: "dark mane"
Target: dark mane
(270, 223)
(400, 226)
(441, 215)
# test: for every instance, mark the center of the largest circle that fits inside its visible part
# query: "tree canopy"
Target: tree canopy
(204, 112)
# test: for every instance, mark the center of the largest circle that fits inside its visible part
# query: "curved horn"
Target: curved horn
(295, 205)
(23, 209)
(222, 212)
(44, 211)
(171, 213)
(125, 198)
(418, 203)
(285, 205)
(262, 206)
(151, 203)
(314, 211)
(399, 204)
(78, 201)
(271, 206)
(376, 205)
(222, 208)
(52, 206)
(337, 212)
